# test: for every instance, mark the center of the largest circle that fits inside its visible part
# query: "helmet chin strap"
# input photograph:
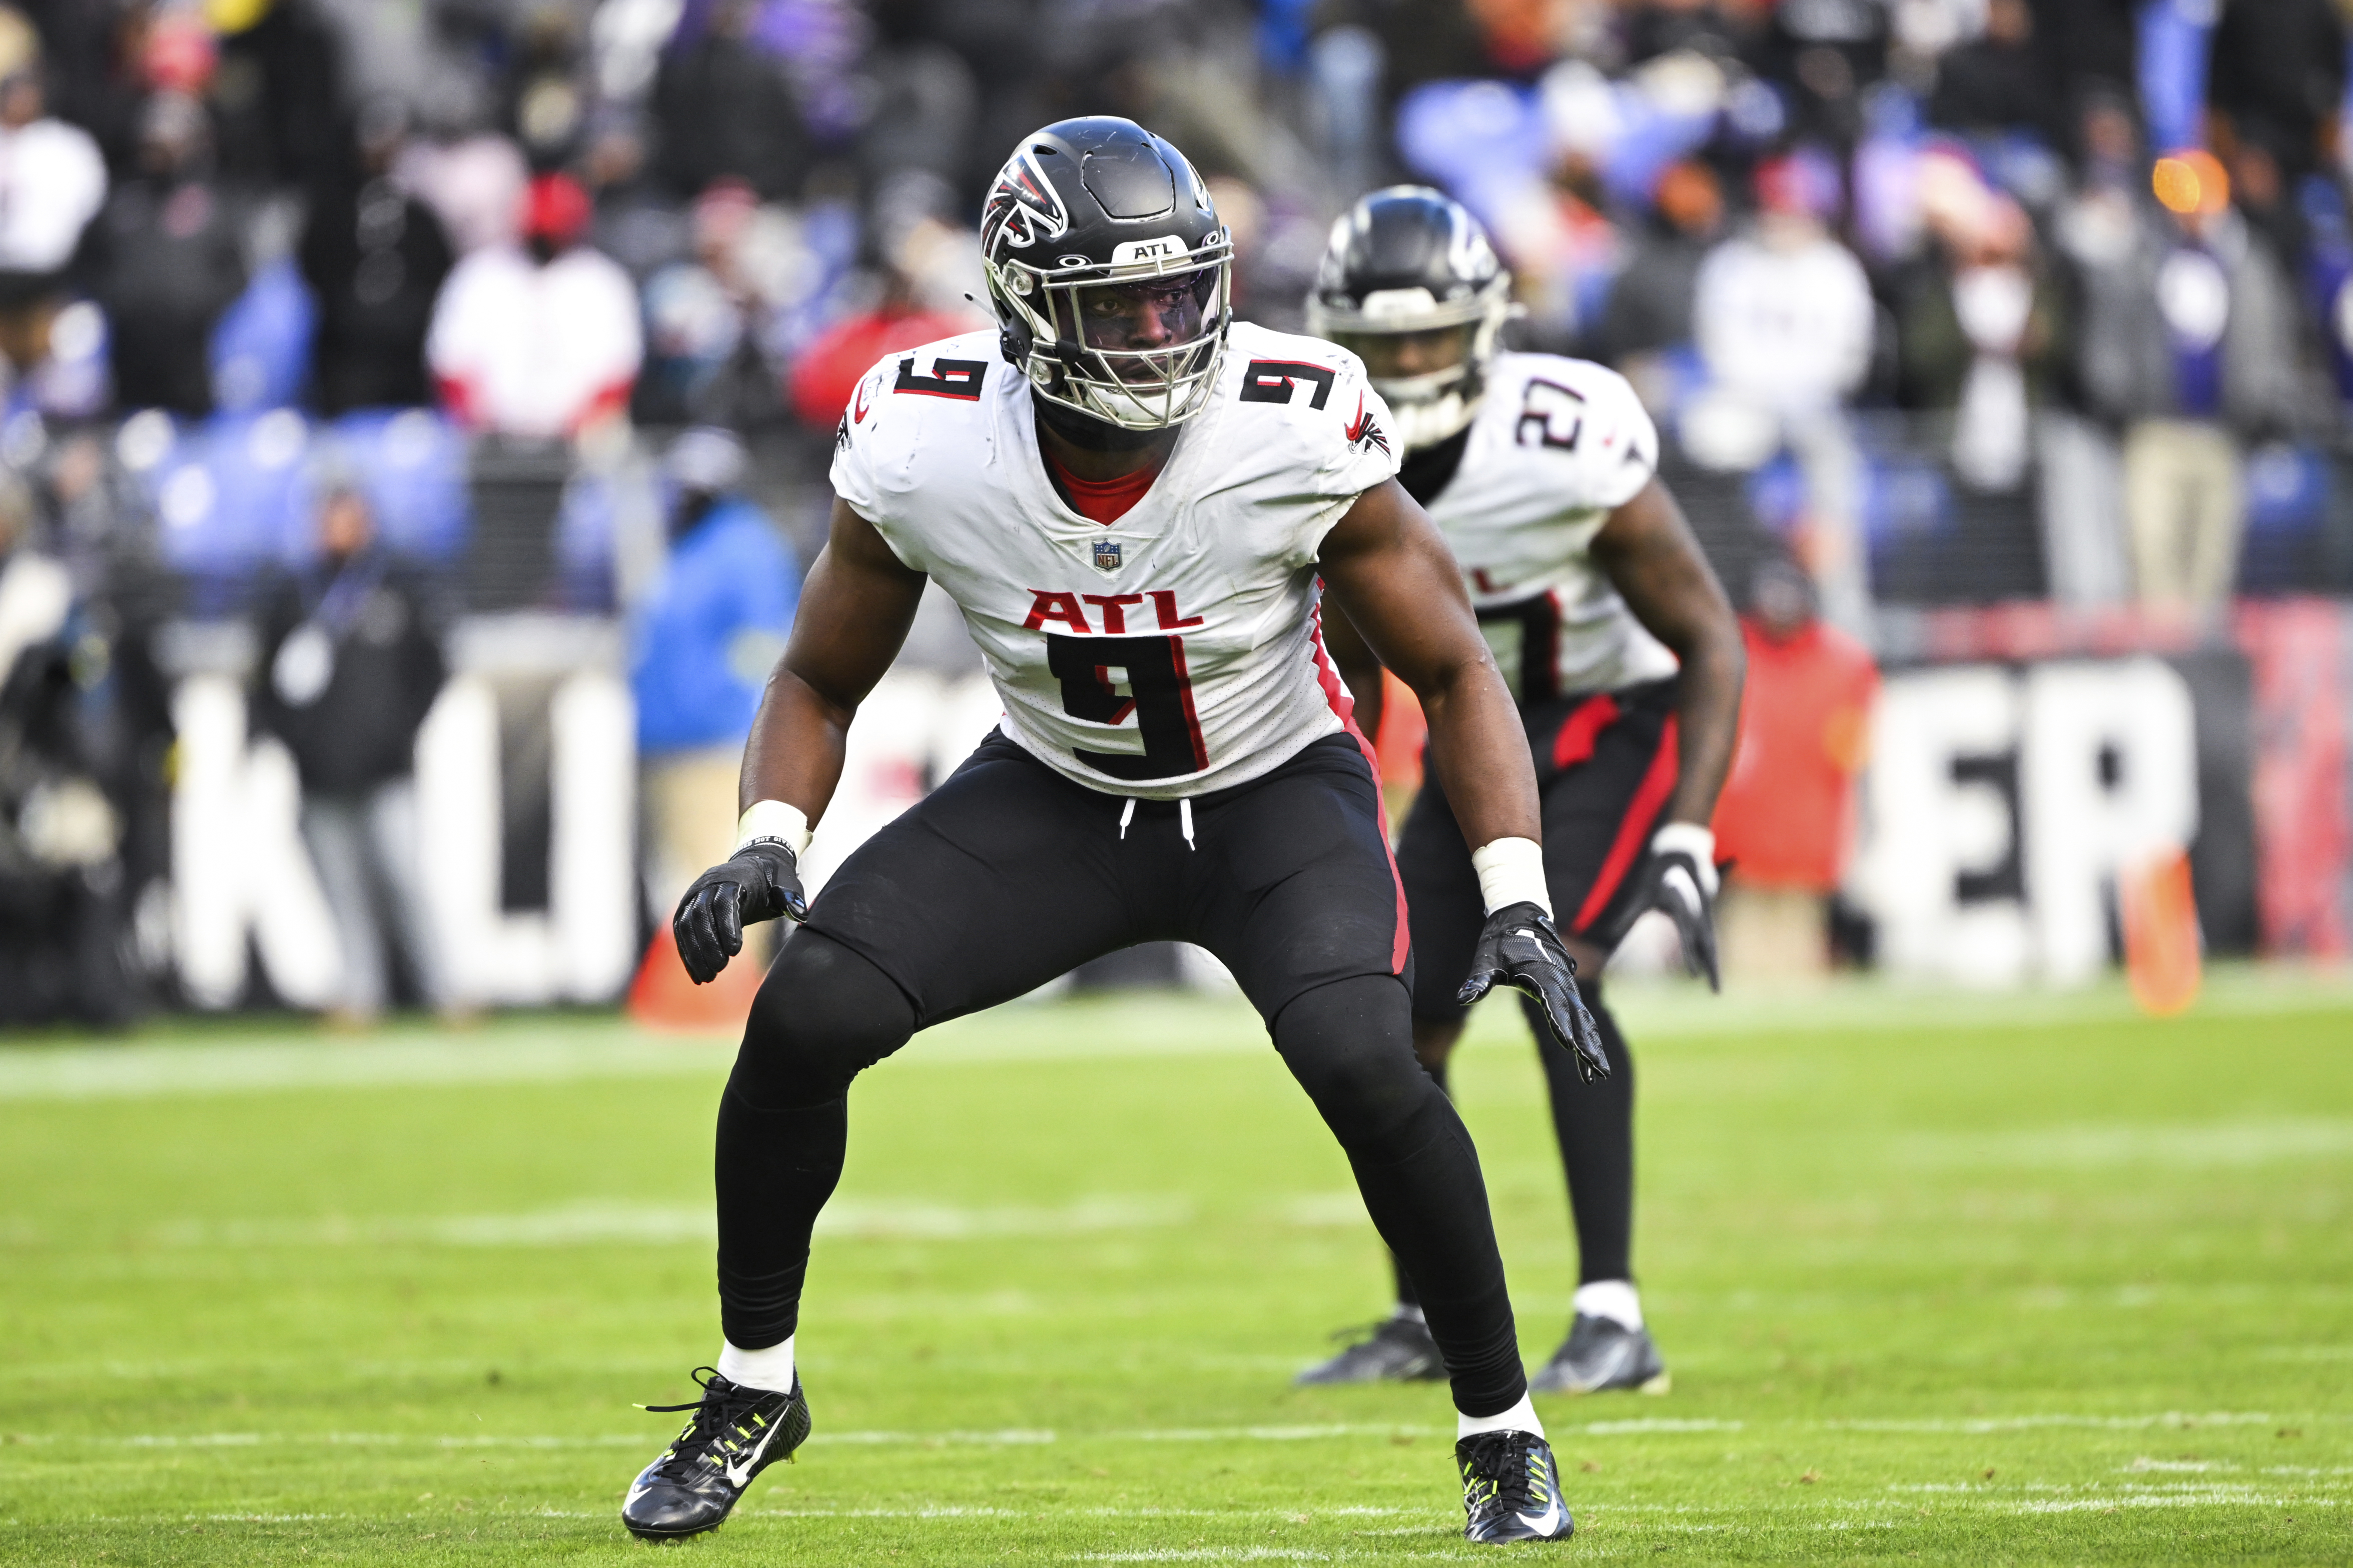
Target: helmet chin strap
(1094, 435)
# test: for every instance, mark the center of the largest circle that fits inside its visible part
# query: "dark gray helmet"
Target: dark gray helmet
(1100, 204)
(1412, 260)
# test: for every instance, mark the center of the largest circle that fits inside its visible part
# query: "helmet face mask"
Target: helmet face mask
(1110, 273)
(1411, 285)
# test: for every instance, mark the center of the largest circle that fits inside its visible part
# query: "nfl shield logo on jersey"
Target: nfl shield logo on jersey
(1106, 556)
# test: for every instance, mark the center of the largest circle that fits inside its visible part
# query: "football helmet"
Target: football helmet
(1410, 284)
(1110, 273)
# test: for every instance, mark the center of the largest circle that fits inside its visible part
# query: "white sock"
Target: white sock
(1407, 1314)
(1615, 1300)
(771, 1369)
(1520, 1418)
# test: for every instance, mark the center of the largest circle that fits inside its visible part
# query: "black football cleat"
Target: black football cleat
(1397, 1351)
(1602, 1354)
(1511, 1489)
(733, 1435)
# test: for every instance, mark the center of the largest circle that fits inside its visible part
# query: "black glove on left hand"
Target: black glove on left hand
(1519, 948)
(1686, 890)
(758, 882)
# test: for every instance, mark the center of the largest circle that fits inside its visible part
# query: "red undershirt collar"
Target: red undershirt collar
(1102, 501)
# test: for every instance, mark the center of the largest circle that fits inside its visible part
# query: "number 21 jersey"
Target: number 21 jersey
(1178, 649)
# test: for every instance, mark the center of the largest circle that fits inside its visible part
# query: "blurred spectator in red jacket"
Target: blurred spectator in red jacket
(539, 340)
(1787, 817)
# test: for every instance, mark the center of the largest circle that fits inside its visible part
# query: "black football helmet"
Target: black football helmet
(1090, 221)
(1404, 263)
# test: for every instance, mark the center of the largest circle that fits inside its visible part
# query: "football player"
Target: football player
(1137, 503)
(1626, 662)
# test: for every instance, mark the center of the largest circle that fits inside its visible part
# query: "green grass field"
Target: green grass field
(1940, 1280)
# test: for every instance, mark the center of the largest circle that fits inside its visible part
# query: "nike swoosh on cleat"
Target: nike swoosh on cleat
(738, 1478)
(1546, 1522)
(635, 1493)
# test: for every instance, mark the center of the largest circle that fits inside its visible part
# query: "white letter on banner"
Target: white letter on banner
(1925, 829)
(583, 948)
(591, 880)
(238, 866)
(2109, 777)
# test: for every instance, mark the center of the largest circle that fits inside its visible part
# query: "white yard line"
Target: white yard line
(538, 1051)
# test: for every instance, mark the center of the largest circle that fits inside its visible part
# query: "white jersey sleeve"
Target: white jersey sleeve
(1621, 445)
(895, 410)
(1306, 432)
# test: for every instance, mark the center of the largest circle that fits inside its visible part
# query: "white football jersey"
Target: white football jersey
(1557, 444)
(1178, 650)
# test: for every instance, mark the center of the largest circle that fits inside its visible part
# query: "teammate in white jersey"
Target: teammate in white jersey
(1626, 662)
(1136, 503)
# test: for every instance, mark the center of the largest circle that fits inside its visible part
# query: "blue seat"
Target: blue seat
(262, 345)
(588, 530)
(229, 495)
(412, 464)
(2288, 495)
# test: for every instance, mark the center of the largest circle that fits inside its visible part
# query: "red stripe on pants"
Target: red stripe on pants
(1633, 829)
(1344, 708)
(1582, 727)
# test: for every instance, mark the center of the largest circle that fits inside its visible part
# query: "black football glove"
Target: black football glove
(1519, 948)
(1682, 879)
(759, 882)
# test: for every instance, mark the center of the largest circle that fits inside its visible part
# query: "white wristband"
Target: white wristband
(1512, 871)
(773, 819)
(1694, 839)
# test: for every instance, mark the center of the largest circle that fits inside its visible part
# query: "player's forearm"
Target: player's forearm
(798, 741)
(1480, 754)
(1707, 724)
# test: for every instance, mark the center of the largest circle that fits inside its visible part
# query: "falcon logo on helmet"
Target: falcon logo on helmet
(1022, 207)
(1411, 285)
(1125, 321)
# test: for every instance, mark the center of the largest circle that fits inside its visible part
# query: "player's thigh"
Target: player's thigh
(1599, 813)
(1295, 889)
(994, 883)
(1441, 892)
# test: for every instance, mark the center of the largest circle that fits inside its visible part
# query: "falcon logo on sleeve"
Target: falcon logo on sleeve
(1366, 431)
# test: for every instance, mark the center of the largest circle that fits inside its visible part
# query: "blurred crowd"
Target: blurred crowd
(282, 281)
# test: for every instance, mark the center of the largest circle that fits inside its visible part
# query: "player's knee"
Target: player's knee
(1349, 1046)
(823, 1015)
(1434, 1041)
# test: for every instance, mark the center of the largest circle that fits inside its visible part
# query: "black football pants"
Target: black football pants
(1008, 876)
(1606, 768)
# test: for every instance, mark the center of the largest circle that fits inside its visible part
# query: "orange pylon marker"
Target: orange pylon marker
(2163, 960)
(664, 998)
